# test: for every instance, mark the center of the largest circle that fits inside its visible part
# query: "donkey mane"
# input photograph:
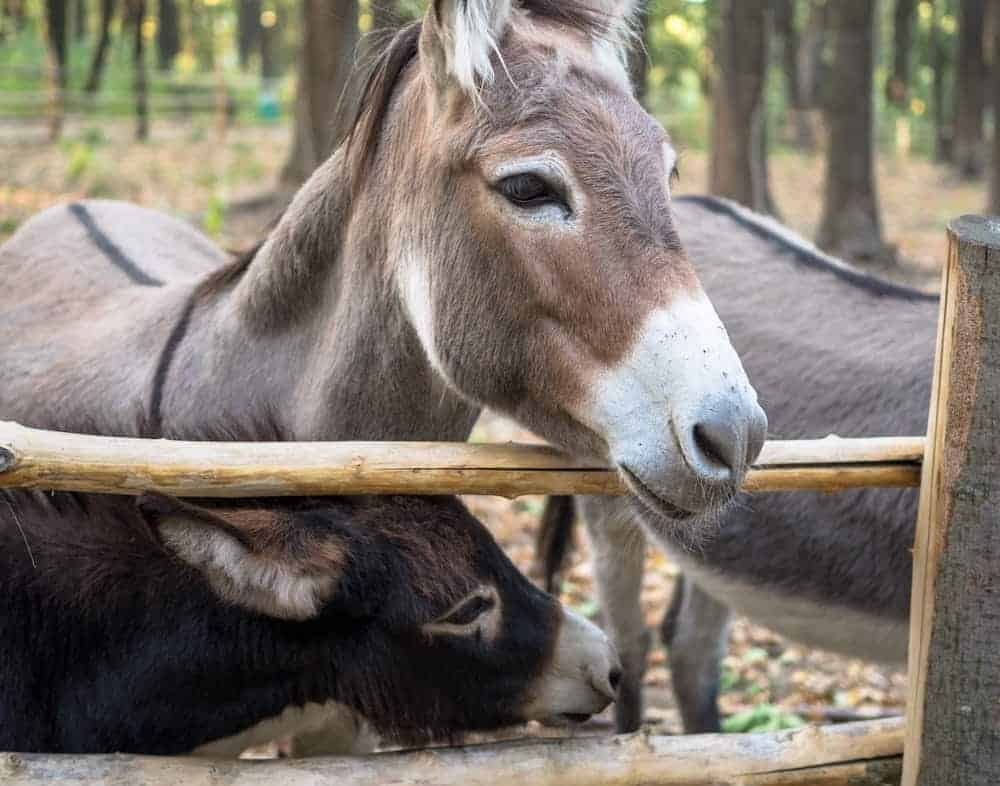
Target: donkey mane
(374, 82)
(365, 102)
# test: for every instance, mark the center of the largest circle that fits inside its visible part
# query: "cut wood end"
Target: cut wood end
(978, 230)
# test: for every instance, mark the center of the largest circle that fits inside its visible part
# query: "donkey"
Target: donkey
(166, 627)
(493, 232)
(831, 350)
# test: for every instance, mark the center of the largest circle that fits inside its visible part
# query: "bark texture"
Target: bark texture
(137, 13)
(953, 731)
(101, 50)
(970, 90)
(943, 128)
(994, 199)
(329, 40)
(851, 226)
(897, 86)
(736, 170)
(248, 30)
(168, 35)
(856, 754)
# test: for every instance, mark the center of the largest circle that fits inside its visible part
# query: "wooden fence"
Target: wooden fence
(952, 730)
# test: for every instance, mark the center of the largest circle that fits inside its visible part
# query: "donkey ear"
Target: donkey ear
(246, 555)
(459, 37)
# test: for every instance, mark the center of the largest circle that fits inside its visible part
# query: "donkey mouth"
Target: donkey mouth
(652, 500)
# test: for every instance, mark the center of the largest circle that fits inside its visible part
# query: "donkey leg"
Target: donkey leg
(619, 554)
(695, 630)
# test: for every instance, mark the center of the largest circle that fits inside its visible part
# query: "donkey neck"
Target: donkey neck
(310, 339)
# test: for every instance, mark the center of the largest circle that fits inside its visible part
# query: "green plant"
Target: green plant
(763, 717)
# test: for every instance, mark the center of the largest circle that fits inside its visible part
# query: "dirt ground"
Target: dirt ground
(189, 171)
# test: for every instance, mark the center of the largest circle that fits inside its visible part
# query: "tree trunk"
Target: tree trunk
(994, 201)
(168, 35)
(897, 86)
(851, 226)
(943, 125)
(788, 34)
(811, 75)
(80, 20)
(101, 52)
(137, 13)
(970, 92)
(638, 55)
(269, 67)
(736, 170)
(56, 19)
(248, 30)
(330, 37)
(55, 30)
(952, 713)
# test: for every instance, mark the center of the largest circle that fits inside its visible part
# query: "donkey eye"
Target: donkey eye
(529, 190)
(470, 611)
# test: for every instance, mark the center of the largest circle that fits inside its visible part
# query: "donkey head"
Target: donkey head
(533, 248)
(403, 608)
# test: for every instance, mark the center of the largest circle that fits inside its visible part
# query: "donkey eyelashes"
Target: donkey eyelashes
(528, 190)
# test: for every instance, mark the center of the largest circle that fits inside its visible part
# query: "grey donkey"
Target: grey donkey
(830, 350)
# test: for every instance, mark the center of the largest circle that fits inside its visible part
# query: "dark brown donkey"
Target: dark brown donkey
(171, 627)
(495, 232)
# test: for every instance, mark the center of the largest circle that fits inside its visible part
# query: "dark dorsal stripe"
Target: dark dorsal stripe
(876, 286)
(154, 426)
(110, 249)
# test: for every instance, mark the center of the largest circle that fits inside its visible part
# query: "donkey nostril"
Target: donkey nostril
(716, 441)
(614, 678)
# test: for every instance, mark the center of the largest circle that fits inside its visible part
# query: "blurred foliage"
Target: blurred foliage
(763, 717)
(678, 39)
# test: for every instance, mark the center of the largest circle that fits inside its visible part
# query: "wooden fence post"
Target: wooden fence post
(953, 711)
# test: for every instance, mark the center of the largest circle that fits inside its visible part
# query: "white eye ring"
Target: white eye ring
(487, 622)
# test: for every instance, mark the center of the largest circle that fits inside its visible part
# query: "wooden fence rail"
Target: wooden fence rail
(72, 462)
(852, 754)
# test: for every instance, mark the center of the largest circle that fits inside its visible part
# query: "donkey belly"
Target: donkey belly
(825, 626)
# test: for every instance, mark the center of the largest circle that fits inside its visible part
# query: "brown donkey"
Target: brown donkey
(495, 231)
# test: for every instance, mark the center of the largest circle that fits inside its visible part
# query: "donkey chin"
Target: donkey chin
(679, 415)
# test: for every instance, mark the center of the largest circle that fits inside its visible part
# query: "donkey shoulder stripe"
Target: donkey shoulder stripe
(769, 229)
(155, 423)
(110, 249)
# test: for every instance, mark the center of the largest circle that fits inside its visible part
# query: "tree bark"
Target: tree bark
(56, 18)
(137, 13)
(736, 170)
(943, 126)
(168, 35)
(269, 67)
(330, 37)
(788, 34)
(970, 92)
(248, 30)
(811, 75)
(897, 86)
(953, 716)
(55, 31)
(101, 51)
(851, 226)
(994, 199)
(80, 20)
